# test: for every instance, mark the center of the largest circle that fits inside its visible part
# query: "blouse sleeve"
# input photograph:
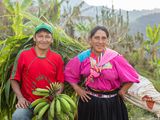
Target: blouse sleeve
(72, 70)
(126, 72)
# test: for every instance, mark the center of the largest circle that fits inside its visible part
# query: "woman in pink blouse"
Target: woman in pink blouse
(107, 75)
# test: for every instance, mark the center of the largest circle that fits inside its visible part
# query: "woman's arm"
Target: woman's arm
(124, 88)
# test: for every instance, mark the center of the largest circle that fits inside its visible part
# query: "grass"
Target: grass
(136, 113)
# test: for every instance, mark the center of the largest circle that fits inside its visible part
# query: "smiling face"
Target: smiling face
(43, 40)
(98, 41)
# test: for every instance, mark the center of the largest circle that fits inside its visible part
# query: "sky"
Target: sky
(126, 4)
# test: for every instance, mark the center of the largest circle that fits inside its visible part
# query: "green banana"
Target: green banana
(64, 116)
(39, 106)
(42, 111)
(48, 88)
(40, 93)
(71, 116)
(61, 116)
(42, 90)
(49, 115)
(58, 107)
(34, 103)
(69, 100)
(55, 86)
(65, 105)
(52, 106)
(51, 86)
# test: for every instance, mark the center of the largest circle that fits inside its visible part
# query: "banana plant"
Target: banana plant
(151, 43)
(14, 9)
(50, 9)
(11, 46)
(152, 48)
(82, 29)
(72, 16)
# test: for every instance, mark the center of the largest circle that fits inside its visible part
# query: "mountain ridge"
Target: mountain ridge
(140, 18)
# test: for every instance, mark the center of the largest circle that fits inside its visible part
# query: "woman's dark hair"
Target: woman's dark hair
(95, 29)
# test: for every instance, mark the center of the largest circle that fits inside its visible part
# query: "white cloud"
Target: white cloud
(126, 4)
(97, 2)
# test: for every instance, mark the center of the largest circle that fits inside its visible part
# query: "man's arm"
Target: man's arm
(22, 102)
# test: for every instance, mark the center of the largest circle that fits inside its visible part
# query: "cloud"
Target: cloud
(97, 2)
(126, 4)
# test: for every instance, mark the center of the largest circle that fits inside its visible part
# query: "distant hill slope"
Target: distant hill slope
(135, 14)
(139, 25)
(138, 19)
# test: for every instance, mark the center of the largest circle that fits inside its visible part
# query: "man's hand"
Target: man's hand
(22, 103)
(61, 89)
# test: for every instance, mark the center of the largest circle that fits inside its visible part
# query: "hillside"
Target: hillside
(138, 19)
(139, 25)
(135, 14)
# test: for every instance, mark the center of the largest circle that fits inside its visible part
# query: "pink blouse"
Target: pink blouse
(117, 71)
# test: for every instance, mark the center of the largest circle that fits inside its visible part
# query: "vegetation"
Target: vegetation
(20, 17)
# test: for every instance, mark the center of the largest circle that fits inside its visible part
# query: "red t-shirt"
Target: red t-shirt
(34, 72)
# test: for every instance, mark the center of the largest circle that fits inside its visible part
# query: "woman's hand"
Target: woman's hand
(22, 103)
(124, 89)
(81, 92)
(122, 92)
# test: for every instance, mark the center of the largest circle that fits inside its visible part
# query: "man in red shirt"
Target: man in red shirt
(34, 68)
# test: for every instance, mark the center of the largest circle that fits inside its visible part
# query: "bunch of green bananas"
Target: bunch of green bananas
(53, 88)
(41, 92)
(41, 106)
(61, 106)
(50, 91)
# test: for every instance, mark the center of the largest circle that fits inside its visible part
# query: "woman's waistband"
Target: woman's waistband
(102, 91)
(102, 94)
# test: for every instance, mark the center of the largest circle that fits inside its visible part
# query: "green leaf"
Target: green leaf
(149, 32)
(8, 5)
(7, 91)
(157, 35)
(35, 20)
(25, 4)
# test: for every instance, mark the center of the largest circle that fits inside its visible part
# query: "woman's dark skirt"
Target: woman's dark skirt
(103, 108)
